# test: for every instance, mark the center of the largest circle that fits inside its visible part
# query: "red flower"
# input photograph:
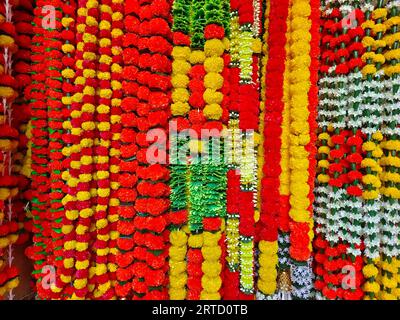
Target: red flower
(212, 31)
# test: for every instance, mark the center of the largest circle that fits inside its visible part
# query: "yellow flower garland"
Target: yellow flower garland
(268, 258)
(213, 80)
(211, 281)
(177, 265)
(299, 129)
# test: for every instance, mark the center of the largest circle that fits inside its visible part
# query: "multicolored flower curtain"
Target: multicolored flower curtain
(200, 149)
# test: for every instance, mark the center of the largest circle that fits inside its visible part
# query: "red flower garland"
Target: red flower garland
(153, 77)
(127, 178)
(268, 224)
(40, 184)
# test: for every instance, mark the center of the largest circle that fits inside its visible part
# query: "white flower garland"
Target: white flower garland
(352, 230)
(302, 278)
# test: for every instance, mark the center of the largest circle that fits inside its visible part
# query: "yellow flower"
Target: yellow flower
(178, 281)
(372, 179)
(6, 92)
(177, 253)
(390, 283)
(268, 247)
(301, 9)
(211, 253)
(177, 267)
(68, 48)
(323, 150)
(323, 178)
(371, 287)
(213, 112)
(6, 41)
(210, 296)
(368, 69)
(212, 96)
(369, 24)
(214, 47)
(181, 53)
(80, 265)
(266, 287)
(387, 296)
(370, 195)
(268, 274)
(257, 46)
(369, 146)
(72, 214)
(211, 284)
(80, 283)
(66, 21)
(180, 81)
(392, 21)
(177, 293)
(368, 41)
(180, 108)
(213, 80)
(214, 64)
(379, 27)
(180, 95)
(392, 54)
(377, 153)
(197, 57)
(180, 67)
(392, 145)
(379, 13)
(370, 271)
(178, 238)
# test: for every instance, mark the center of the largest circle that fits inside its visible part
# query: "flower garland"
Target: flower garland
(231, 275)
(117, 40)
(335, 70)
(128, 163)
(104, 152)
(179, 169)
(231, 288)
(268, 224)
(389, 176)
(195, 55)
(55, 116)
(22, 17)
(150, 269)
(213, 170)
(260, 158)
(352, 143)
(40, 186)
(371, 124)
(249, 47)
(283, 279)
(80, 173)
(65, 269)
(302, 140)
(9, 140)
